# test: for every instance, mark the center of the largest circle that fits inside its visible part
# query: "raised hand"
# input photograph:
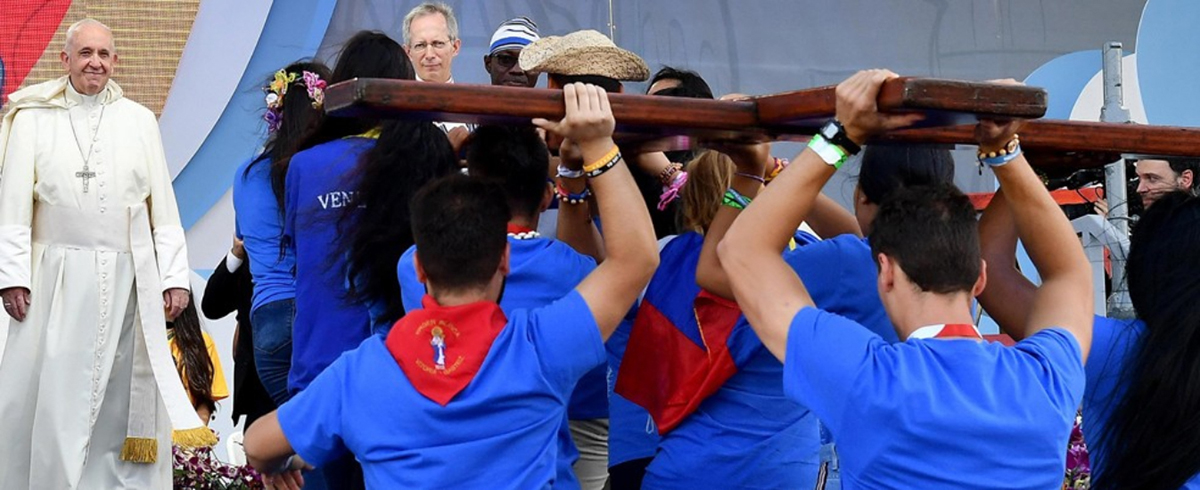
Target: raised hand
(588, 118)
(857, 109)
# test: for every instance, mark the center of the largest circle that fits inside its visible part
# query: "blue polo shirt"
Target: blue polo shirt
(937, 413)
(320, 186)
(259, 224)
(746, 435)
(499, 432)
(540, 271)
(1114, 347)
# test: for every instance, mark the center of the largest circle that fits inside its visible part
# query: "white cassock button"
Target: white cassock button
(98, 150)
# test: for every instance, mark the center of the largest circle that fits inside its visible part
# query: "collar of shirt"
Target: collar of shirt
(418, 78)
(957, 330)
(76, 98)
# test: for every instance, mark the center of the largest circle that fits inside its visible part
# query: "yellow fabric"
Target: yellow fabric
(220, 390)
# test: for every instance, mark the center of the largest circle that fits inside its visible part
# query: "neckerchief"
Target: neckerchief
(952, 330)
(440, 349)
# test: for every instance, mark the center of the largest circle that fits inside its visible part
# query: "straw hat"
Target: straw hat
(584, 52)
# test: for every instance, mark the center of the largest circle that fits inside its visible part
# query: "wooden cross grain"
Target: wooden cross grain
(661, 123)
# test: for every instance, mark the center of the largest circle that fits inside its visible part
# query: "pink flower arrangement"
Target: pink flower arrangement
(1079, 468)
(199, 469)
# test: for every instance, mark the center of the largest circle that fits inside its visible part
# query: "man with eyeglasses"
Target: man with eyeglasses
(501, 62)
(431, 41)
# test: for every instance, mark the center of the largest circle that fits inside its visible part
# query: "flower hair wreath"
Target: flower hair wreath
(279, 88)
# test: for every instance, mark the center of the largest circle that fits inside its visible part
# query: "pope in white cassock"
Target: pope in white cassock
(91, 253)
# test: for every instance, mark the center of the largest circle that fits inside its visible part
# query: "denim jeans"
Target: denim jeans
(272, 324)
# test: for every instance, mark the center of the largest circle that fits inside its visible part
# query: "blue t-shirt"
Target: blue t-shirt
(259, 224)
(320, 186)
(747, 434)
(1114, 345)
(540, 271)
(842, 278)
(632, 433)
(937, 413)
(499, 432)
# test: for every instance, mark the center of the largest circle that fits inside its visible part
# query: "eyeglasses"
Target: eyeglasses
(421, 47)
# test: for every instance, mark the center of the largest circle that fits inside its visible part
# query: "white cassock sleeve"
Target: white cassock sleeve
(169, 244)
(16, 201)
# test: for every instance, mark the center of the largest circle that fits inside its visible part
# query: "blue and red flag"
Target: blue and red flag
(677, 353)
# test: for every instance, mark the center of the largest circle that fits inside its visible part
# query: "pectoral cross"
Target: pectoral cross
(85, 174)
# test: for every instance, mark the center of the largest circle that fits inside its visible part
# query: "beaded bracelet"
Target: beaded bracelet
(735, 199)
(666, 176)
(1002, 156)
(608, 160)
(568, 198)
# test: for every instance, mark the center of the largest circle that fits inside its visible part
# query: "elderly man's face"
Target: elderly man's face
(89, 59)
(1156, 178)
(505, 70)
(430, 47)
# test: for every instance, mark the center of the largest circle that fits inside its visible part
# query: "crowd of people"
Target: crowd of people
(431, 304)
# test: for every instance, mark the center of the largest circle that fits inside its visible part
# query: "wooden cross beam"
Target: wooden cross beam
(660, 123)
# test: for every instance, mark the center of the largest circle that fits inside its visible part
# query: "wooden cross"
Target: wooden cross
(85, 174)
(655, 123)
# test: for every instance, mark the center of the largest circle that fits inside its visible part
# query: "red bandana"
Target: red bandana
(440, 349)
(950, 330)
(514, 229)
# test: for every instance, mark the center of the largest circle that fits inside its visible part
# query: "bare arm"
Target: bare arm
(1065, 296)
(751, 252)
(1008, 293)
(632, 250)
(748, 160)
(267, 448)
(575, 225)
(829, 219)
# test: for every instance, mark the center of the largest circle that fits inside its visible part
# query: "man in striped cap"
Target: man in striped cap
(501, 62)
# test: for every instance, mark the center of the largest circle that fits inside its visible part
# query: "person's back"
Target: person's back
(500, 431)
(897, 410)
(541, 270)
(320, 185)
(903, 414)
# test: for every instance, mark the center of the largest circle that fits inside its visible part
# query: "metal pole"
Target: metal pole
(612, 26)
(1115, 181)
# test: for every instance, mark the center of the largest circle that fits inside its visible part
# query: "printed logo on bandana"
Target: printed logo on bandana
(441, 349)
(435, 331)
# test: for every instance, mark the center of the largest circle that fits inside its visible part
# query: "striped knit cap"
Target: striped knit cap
(514, 34)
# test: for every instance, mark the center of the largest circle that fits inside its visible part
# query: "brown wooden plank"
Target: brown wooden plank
(945, 102)
(480, 104)
(1056, 136)
(657, 123)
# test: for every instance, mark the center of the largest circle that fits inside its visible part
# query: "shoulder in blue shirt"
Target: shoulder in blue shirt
(259, 223)
(932, 413)
(841, 277)
(499, 432)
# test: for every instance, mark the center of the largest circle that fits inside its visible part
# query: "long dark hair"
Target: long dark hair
(194, 365)
(1152, 439)
(298, 124)
(368, 54)
(378, 229)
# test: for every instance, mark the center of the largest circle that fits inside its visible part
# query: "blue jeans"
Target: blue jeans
(272, 324)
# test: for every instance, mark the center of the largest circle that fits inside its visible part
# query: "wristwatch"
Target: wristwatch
(835, 133)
